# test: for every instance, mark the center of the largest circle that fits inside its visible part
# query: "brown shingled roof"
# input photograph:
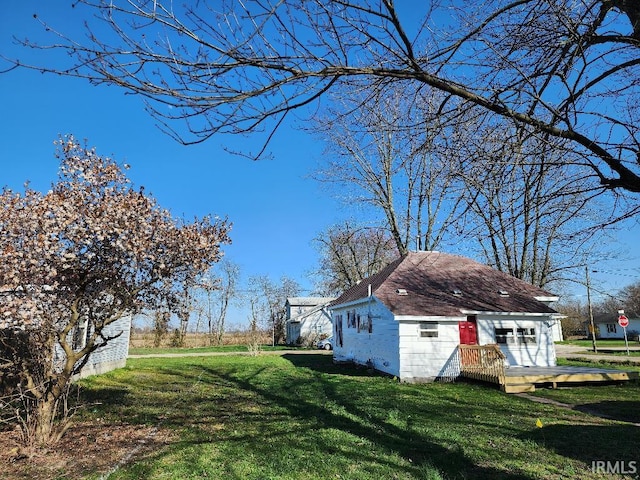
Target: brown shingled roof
(430, 279)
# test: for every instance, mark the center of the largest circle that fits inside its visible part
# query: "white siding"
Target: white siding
(542, 353)
(316, 324)
(632, 330)
(424, 359)
(380, 347)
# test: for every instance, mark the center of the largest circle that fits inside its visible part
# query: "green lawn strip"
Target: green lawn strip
(617, 353)
(601, 343)
(214, 349)
(272, 417)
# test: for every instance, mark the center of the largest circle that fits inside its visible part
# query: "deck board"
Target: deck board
(531, 376)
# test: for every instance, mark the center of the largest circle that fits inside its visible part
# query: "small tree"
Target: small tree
(78, 258)
(268, 302)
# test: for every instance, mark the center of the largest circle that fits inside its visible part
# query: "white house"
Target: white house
(106, 358)
(308, 319)
(409, 319)
(109, 357)
(607, 327)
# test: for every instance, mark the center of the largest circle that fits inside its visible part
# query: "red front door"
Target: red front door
(468, 332)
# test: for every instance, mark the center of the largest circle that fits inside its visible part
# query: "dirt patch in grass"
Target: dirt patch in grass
(86, 448)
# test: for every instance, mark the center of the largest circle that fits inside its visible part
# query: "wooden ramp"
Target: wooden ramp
(488, 364)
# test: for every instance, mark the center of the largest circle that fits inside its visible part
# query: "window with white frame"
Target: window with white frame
(515, 336)
(526, 335)
(428, 329)
(611, 328)
(505, 336)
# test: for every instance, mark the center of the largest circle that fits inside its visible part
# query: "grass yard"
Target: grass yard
(601, 343)
(618, 401)
(301, 417)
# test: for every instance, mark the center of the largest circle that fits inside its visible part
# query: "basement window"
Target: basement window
(428, 329)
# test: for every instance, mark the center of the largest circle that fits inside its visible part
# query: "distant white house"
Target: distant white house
(607, 327)
(409, 319)
(308, 319)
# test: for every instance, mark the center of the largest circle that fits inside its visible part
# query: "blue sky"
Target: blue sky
(275, 208)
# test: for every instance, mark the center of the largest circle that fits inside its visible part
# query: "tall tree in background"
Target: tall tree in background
(490, 188)
(349, 254)
(78, 258)
(219, 289)
(394, 154)
(529, 213)
(627, 299)
(567, 69)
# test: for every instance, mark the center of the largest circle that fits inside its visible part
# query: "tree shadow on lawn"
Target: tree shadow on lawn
(243, 410)
(623, 411)
(325, 364)
(416, 448)
(586, 442)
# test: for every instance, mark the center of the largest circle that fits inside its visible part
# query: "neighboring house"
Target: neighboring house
(409, 319)
(113, 355)
(607, 327)
(308, 319)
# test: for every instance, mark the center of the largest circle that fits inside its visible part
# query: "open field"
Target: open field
(197, 340)
(302, 417)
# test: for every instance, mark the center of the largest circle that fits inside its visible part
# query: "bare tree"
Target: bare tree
(78, 258)
(568, 70)
(627, 299)
(267, 300)
(528, 211)
(349, 254)
(394, 154)
(218, 289)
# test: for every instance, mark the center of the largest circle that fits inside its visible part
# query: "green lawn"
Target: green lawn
(618, 401)
(601, 343)
(301, 417)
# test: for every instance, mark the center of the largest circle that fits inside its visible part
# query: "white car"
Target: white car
(326, 344)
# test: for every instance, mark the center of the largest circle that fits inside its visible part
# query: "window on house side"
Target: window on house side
(611, 328)
(526, 335)
(504, 335)
(428, 329)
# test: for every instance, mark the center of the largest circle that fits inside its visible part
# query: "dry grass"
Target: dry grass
(196, 340)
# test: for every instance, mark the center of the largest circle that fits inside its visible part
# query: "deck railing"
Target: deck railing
(482, 362)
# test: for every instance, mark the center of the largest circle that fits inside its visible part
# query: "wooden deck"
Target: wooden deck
(525, 379)
(484, 363)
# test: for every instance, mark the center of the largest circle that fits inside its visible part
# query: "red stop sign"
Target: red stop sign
(623, 321)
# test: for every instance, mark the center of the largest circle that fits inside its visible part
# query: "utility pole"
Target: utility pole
(592, 327)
